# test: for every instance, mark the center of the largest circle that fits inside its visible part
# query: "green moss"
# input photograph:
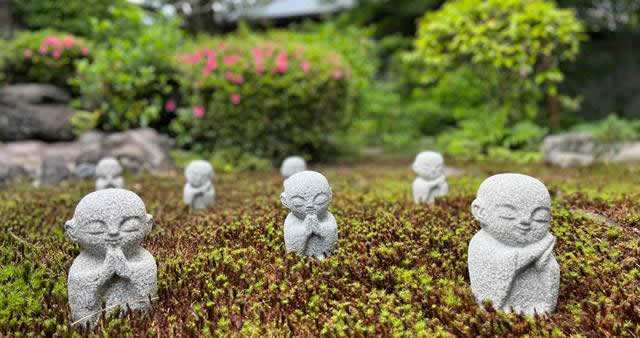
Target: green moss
(400, 269)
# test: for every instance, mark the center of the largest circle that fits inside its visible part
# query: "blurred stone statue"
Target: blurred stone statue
(199, 192)
(430, 182)
(109, 174)
(292, 165)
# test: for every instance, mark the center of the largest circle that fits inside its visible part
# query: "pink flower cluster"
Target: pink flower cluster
(232, 64)
(55, 46)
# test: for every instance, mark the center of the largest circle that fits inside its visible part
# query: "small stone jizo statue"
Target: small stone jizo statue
(199, 191)
(511, 259)
(430, 182)
(309, 229)
(109, 174)
(292, 165)
(112, 268)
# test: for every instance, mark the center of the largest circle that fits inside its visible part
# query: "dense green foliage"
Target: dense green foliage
(400, 268)
(132, 76)
(266, 95)
(70, 16)
(612, 129)
(43, 57)
(502, 56)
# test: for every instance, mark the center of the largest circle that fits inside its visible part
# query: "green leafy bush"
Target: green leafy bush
(132, 80)
(67, 16)
(43, 57)
(486, 67)
(612, 129)
(271, 98)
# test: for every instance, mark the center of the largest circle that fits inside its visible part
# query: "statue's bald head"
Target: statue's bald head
(108, 166)
(514, 209)
(515, 189)
(198, 172)
(429, 165)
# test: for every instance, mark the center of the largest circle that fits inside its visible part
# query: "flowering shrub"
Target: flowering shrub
(267, 97)
(132, 80)
(44, 57)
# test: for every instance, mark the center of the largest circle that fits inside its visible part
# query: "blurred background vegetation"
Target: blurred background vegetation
(476, 79)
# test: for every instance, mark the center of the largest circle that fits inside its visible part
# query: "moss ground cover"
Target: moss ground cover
(400, 269)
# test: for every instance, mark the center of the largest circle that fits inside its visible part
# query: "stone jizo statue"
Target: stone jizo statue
(430, 182)
(109, 174)
(511, 259)
(199, 191)
(309, 229)
(292, 165)
(112, 268)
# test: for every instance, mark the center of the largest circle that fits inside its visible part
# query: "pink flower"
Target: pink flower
(27, 53)
(238, 79)
(229, 59)
(281, 62)
(228, 75)
(256, 52)
(198, 111)
(305, 65)
(235, 98)
(67, 42)
(43, 49)
(56, 54)
(84, 51)
(212, 63)
(170, 105)
(337, 74)
(52, 40)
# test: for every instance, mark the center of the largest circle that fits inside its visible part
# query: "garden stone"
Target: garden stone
(54, 170)
(113, 267)
(292, 165)
(510, 259)
(309, 229)
(570, 149)
(430, 182)
(109, 174)
(11, 172)
(35, 111)
(84, 171)
(198, 192)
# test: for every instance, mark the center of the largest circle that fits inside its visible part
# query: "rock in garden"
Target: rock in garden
(292, 165)
(54, 170)
(510, 259)
(198, 192)
(84, 170)
(35, 111)
(109, 226)
(430, 182)
(570, 149)
(309, 229)
(109, 174)
(11, 173)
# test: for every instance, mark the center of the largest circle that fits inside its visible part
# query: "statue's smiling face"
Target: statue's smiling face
(109, 218)
(518, 226)
(306, 193)
(514, 209)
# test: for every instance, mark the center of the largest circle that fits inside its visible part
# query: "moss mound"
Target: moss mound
(400, 269)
